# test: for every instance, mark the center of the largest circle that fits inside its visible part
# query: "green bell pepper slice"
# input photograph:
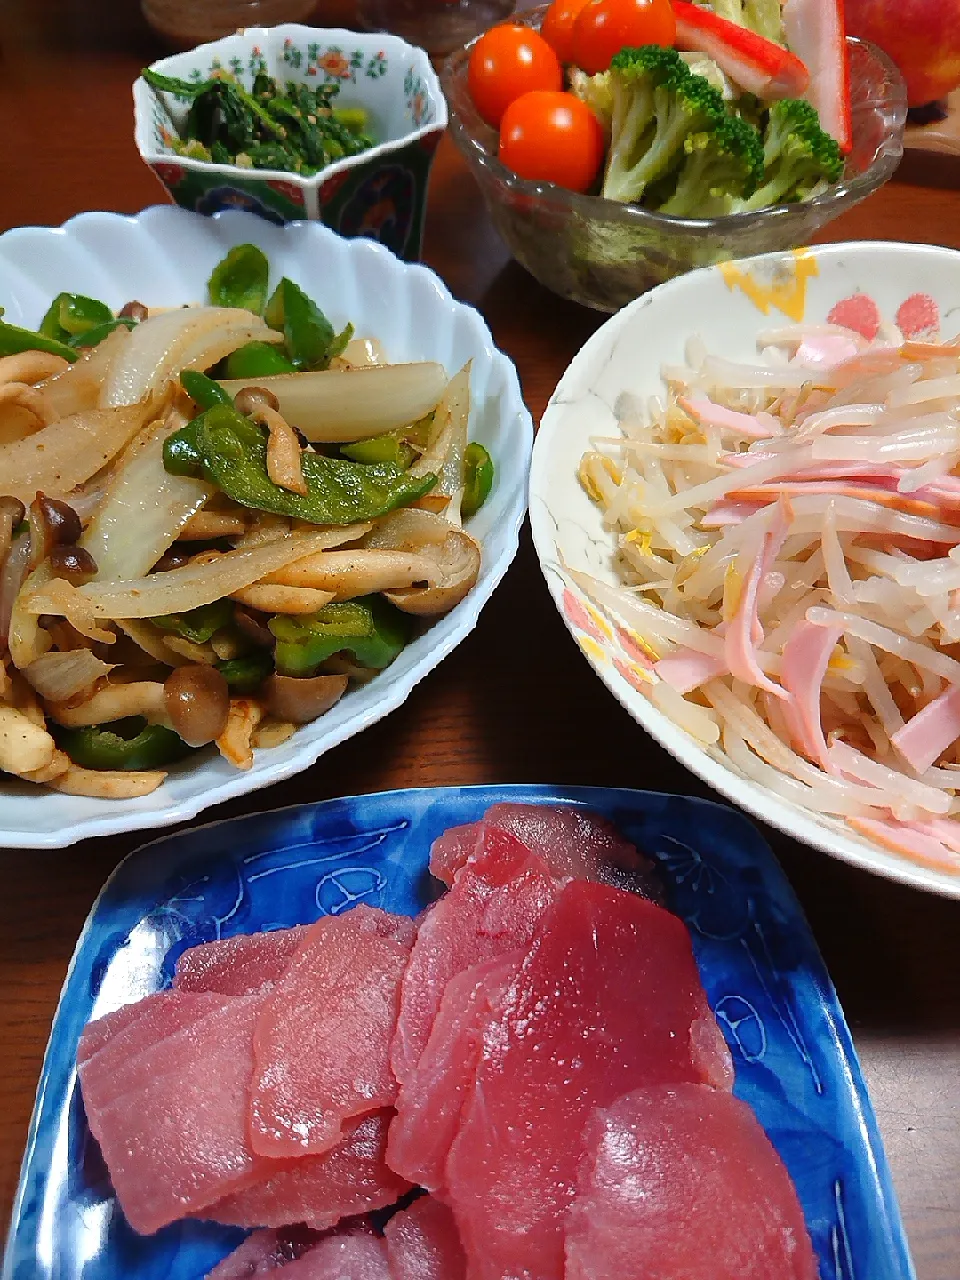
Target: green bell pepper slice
(247, 673)
(231, 452)
(257, 360)
(93, 337)
(240, 279)
(370, 629)
(14, 339)
(129, 744)
(389, 448)
(197, 625)
(71, 314)
(477, 478)
(203, 391)
(310, 338)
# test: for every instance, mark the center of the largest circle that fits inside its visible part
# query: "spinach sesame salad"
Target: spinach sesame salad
(291, 127)
(214, 519)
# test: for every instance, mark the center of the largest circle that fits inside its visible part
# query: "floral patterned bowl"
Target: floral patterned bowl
(381, 194)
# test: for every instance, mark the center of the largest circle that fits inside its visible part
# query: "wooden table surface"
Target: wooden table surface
(513, 702)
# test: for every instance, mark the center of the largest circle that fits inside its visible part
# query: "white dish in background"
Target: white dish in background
(626, 354)
(164, 257)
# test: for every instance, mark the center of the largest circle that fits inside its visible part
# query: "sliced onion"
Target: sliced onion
(177, 590)
(360, 353)
(11, 580)
(352, 404)
(77, 389)
(62, 676)
(444, 457)
(67, 453)
(166, 344)
(144, 510)
(26, 638)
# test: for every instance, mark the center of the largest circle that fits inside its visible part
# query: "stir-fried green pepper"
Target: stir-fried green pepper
(248, 672)
(240, 279)
(310, 338)
(14, 339)
(389, 448)
(230, 451)
(198, 625)
(257, 360)
(370, 629)
(124, 744)
(93, 337)
(72, 314)
(477, 478)
(203, 391)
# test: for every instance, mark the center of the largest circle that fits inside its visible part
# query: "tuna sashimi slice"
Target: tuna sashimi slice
(429, 1104)
(322, 1043)
(574, 843)
(236, 966)
(607, 999)
(265, 1251)
(320, 1190)
(423, 1243)
(111, 1048)
(352, 1255)
(681, 1180)
(494, 906)
(176, 1140)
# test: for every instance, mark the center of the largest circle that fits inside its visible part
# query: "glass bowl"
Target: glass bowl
(603, 254)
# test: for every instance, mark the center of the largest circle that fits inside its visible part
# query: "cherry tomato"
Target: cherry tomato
(507, 61)
(548, 136)
(557, 27)
(604, 27)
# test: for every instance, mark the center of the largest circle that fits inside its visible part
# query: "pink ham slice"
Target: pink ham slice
(318, 1191)
(423, 1243)
(263, 1252)
(681, 1180)
(322, 1043)
(494, 906)
(236, 966)
(430, 1102)
(607, 999)
(574, 843)
(116, 1053)
(174, 1133)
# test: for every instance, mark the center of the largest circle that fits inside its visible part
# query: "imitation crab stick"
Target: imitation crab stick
(815, 30)
(760, 66)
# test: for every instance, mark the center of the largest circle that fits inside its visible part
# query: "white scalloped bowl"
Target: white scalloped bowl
(626, 355)
(164, 256)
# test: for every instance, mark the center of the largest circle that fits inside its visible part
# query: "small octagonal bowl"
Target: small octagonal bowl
(380, 194)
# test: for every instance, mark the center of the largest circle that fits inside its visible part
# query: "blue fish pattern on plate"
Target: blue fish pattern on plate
(762, 972)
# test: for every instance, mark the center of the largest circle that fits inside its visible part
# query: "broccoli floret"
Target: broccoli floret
(596, 92)
(761, 16)
(657, 104)
(721, 167)
(799, 159)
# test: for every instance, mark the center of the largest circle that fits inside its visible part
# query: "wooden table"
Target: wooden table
(511, 704)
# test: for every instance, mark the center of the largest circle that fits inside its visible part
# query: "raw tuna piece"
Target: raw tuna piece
(681, 1180)
(322, 1043)
(239, 965)
(353, 1255)
(320, 1190)
(430, 1102)
(574, 843)
(607, 999)
(493, 907)
(423, 1243)
(110, 1047)
(174, 1135)
(263, 1252)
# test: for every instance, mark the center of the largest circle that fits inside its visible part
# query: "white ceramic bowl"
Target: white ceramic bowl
(381, 193)
(163, 256)
(626, 354)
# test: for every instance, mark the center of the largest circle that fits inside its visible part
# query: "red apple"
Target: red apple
(921, 36)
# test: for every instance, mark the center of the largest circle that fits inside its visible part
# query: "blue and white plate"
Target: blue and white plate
(763, 975)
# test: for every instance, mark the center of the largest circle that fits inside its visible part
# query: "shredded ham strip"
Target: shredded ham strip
(788, 545)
